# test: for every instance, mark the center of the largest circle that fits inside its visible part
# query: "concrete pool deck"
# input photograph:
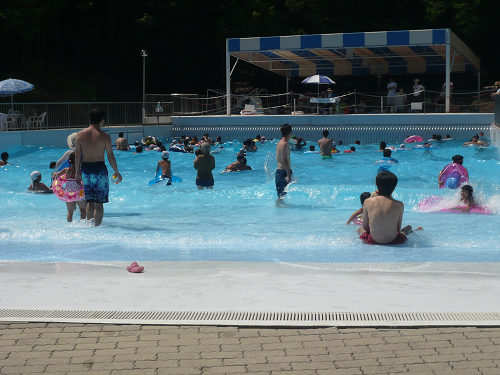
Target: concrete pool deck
(262, 288)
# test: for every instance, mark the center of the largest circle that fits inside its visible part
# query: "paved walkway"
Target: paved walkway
(60, 348)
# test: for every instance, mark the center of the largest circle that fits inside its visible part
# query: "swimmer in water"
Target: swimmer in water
(283, 174)
(71, 184)
(383, 215)
(5, 157)
(325, 144)
(363, 197)
(37, 185)
(466, 198)
(164, 165)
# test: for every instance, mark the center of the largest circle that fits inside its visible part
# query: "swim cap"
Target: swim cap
(165, 154)
(34, 175)
(242, 151)
(174, 141)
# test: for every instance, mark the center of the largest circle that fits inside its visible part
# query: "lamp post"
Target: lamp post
(144, 53)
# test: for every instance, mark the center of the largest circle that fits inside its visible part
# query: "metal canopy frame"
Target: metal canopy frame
(379, 53)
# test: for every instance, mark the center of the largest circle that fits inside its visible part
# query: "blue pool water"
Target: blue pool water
(239, 221)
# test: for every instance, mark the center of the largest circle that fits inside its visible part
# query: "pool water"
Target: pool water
(239, 220)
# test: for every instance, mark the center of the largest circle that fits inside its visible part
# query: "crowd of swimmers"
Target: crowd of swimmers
(381, 214)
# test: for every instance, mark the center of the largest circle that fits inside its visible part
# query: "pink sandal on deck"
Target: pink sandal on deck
(135, 268)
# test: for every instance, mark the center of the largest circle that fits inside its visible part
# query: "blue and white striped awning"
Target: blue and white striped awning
(383, 52)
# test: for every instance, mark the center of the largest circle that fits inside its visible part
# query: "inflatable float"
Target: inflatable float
(149, 140)
(158, 178)
(177, 149)
(67, 190)
(435, 204)
(453, 175)
(413, 139)
(386, 163)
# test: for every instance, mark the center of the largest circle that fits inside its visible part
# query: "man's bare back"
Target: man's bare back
(382, 218)
(325, 146)
(93, 142)
(283, 157)
(122, 144)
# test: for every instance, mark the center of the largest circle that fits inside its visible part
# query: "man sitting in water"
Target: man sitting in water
(121, 143)
(383, 215)
(164, 164)
(325, 144)
(239, 165)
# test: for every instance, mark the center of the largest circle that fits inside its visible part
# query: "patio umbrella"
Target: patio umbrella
(318, 79)
(14, 86)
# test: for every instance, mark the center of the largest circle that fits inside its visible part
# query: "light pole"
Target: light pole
(144, 53)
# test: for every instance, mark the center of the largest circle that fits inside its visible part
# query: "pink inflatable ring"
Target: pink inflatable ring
(67, 190)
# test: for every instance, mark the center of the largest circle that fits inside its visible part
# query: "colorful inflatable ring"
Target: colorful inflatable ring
(67, 193)
(434, 204)
(413, 138)
(453, 175)
(358, 220)
(149, 140)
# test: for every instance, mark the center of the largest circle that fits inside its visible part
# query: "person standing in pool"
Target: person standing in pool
(383, 215)
(204, 164)
(164, 164)
(91, 144)
(325, 144)
(121, 143)
(283, 174)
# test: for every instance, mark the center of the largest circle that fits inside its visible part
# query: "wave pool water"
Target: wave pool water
(239, 221)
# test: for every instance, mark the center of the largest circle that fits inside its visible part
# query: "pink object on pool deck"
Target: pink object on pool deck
(456, 171)
(135, 268)
(413, 138)
(433, 203)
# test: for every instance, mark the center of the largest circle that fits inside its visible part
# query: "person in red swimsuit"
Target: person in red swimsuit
(383, 215)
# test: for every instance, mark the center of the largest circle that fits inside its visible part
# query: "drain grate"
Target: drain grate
(247, 318)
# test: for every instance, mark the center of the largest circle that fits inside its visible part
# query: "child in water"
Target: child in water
(359, 213)
(71, 185)
(467, 198)
(36, 184)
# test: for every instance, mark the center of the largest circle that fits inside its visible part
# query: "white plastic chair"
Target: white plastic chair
(36, 121)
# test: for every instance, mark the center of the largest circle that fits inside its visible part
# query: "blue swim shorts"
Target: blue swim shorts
(205, 183)
(280, 179)
(95, 182)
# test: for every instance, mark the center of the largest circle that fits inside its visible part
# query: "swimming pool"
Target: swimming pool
(239, 221)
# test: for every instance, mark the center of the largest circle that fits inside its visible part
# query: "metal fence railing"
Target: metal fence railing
(160, 107)
(34, 116)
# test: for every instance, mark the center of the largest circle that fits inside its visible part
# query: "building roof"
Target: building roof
(364, 53)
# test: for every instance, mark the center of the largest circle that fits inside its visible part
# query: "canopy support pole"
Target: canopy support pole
(448, 71)
(228, 80)
(478, 90)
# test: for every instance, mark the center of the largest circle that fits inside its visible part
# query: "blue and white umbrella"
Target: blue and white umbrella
(14, 86)
(319, 80)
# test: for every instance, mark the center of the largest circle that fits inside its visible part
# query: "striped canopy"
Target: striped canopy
(380, 53)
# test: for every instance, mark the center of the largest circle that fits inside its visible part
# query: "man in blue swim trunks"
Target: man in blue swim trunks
(91, 143)
(283, 174)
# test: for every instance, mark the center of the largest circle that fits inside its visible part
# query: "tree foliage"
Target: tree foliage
(90, 50)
